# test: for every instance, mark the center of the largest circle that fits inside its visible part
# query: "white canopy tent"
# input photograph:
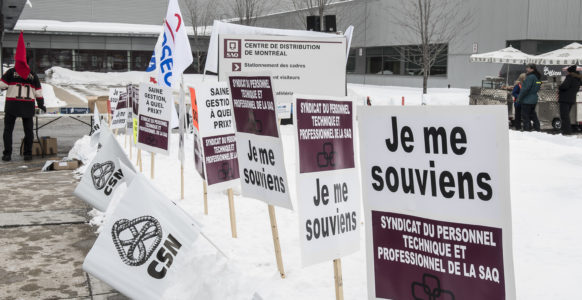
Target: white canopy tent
(507, 56)
(569, 55)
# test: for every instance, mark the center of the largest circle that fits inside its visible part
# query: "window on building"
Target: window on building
(140, 60)
(374, 61)
(45, 59)
(402, 60)
(351, 65)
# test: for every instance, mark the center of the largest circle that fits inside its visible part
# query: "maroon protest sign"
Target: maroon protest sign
(154, 117)
(220, 158)
(325, 135)
(153, 132)
(418, 258)
(254, 105)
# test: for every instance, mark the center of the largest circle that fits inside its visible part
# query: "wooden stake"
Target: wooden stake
(139, 160)
(153, 155)
(337, 275)
(276, 243)
(232, 215)
(181, 182)
(116, 131)
(130, 149)
(205, 198)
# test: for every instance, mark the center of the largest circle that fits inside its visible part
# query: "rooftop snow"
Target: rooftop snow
(96, 27)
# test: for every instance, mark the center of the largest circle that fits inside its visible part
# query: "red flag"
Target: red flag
(20, 63)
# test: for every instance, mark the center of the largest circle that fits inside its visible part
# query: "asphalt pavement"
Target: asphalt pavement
(44, 230)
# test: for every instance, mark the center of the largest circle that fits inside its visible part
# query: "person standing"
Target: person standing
(567, 97)
(528, 98)
(23, 89)
(517, 107)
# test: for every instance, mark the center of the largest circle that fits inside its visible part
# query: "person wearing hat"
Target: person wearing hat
(567, 97)
(23, 89)
(528, 98)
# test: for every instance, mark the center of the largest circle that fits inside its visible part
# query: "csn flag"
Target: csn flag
(144, 244)
(104, 173)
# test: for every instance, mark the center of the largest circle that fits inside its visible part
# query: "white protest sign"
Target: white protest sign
(216, 124)
(261, 162)
(328, 187)
(435, 183)
(306, 65)
(103, 175)
(155, 103)
(114, 95)
(120, 114)
(142, 243)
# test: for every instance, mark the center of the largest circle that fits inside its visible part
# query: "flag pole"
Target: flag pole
(181, 128)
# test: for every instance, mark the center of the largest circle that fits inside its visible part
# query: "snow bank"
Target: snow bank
(62, 76)
(392, 95)
(50, 99)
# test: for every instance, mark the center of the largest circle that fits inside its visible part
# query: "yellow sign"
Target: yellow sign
(135, 130)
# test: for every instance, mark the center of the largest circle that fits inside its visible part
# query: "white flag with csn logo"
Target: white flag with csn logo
(104, 174)
(144, 244)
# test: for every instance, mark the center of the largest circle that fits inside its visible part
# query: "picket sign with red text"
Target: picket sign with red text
(143, 242)
(155, 104)
(103, 175)
(437, 204)
(328, 187)
(261, 162)
(216, 124)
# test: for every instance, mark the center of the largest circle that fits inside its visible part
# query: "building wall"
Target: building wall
(494, 23)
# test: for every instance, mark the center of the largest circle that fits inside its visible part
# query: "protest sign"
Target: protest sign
(328, 188)
(198, 159)
(103, 175)
(435, 184)
(114, 96)
(262, 165)
(154, 117)
(216, 125)
(120, 112)
(143, 243)
(297, 64)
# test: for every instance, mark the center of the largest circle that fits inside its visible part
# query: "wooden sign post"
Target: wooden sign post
(130, 148)
(337, 274)
(275, 232)
(205, 198)
(139, 160)
(232, 215)
(153, 156)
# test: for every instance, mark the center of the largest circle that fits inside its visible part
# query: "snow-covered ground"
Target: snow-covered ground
(546, 200)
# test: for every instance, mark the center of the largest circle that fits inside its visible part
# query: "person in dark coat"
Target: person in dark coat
(567, 97)
(528, 98)
(515, 94)
(23, 89)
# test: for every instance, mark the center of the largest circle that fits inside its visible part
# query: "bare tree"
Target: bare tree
(429, 27)
(200, 14)
(247, 11)
(306, 8)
